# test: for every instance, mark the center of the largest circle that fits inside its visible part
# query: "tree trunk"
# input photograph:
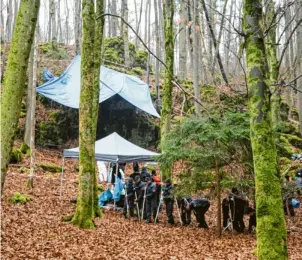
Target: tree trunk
(195, 56)
(182, 40)
(168, 7)
(33, 109)
(2, 38)
(299, 60)
(148, 42)
(146, 22)
(214, 42)
(59, 29)
(271, 48)
(271, 229)
(52, 17)
(190, 34)
(67, 22)
(157, 53)
(16, 6)
(9, 20)
(87, 207)
(15, 76)
(125, 33)
(77, 26)
(113, 20)
(218, 197)
(139, 24)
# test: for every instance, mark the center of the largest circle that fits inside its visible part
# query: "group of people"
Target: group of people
(143, 194)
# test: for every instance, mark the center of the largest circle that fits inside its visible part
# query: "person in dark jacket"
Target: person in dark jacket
(156, 180)
(237, 205)
(129, 198)
(225, 212)
(185, 213)
(199, 207)
(252, 220)
(135, 170)
(150, 199)
(145, 174)
(169, 200)
(139, 189)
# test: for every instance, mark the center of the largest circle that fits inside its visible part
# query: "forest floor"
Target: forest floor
(36, 230)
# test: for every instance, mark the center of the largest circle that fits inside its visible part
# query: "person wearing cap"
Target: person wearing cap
(129, 198)
(199, 207)
(144, 174)
(169, 200)
(150, 199)
(139, 189)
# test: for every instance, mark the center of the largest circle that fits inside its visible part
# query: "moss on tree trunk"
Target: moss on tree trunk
(14, 77)
(271, 229)
(169, 59)
(87, 206)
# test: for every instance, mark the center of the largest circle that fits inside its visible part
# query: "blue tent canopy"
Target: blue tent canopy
(66, 88)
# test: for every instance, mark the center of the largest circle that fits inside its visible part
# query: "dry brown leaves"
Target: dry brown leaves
(35, 230)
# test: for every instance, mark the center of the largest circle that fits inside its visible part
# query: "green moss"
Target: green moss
(295, 114)
(24, 148)
(50, 167)
(293, 140)
(16, 156)
(138, 71)
(19, 198)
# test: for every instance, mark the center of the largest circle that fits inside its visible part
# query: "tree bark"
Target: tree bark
(77, 25)
(299, 60)
(157, 53)
(168, 7)
(271, 48)
(9, 20)
(114, 21)
(182, 40)
(125, 33)
(33, 109)
(218, 197)
(271, 229)
(52, 17)
(195, 56)
(139, 24)
(87, 207)
(14, 78)
(67, 22)
(16, 6)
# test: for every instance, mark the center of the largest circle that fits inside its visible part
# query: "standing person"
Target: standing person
(169, 200)
(129, 198)
(139, 189)
(237, 204)
(225, 211)
(145, 174)
(150, 199)
(135, 170)
(157, 181)
(199, 207)
(185, 213)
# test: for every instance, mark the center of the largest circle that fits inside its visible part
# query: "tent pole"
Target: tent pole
(62, 176)
(116, 171)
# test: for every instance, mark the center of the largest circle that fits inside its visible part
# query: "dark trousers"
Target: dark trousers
(225, 212)
(185, 214)
(169, 210)
(199, 214)
(130, 202)
(151, 208)
(252, 222)
(238, 223)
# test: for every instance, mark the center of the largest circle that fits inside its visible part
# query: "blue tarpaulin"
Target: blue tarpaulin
(66, 88)
(118, 188)
(105, 197)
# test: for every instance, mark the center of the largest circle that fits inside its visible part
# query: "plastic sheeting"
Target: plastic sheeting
(66, 88)
(115, 148)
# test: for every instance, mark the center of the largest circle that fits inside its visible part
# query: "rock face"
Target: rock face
(115, 115)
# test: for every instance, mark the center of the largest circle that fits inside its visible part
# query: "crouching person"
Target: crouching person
(129, 198)
(150, 199)
(199, 207)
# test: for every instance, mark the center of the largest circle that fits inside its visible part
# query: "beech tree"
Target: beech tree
(15, 76)
(271, 230)
(87, 201)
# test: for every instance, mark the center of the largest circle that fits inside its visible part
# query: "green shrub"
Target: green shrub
(16, 156)
(19, 198)
(50, 168)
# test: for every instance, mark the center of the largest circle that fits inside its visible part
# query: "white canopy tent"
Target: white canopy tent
(113, 148)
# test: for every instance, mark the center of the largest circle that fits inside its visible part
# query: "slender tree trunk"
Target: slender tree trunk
(157, 35)
(9, 20)
(139, 24)
(146, 21)
(113, 20)
(33, 109)
(288, 66)
(214, 42)
(271, 229)
(67, 22)
(168, 7)
(14, 78)
(59, 29)
(125, 33)
(148, 42)
(2, 38)
(218, 196)
(182, 40)
(77, 25)
(196, 56)
(52, 16)
(271, 48)
(228, 39)
(87, 207)
(299, 60)
(16, 6)
(190, 34)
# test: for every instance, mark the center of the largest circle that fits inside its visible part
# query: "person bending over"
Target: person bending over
(185, 214)
(199, 207)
